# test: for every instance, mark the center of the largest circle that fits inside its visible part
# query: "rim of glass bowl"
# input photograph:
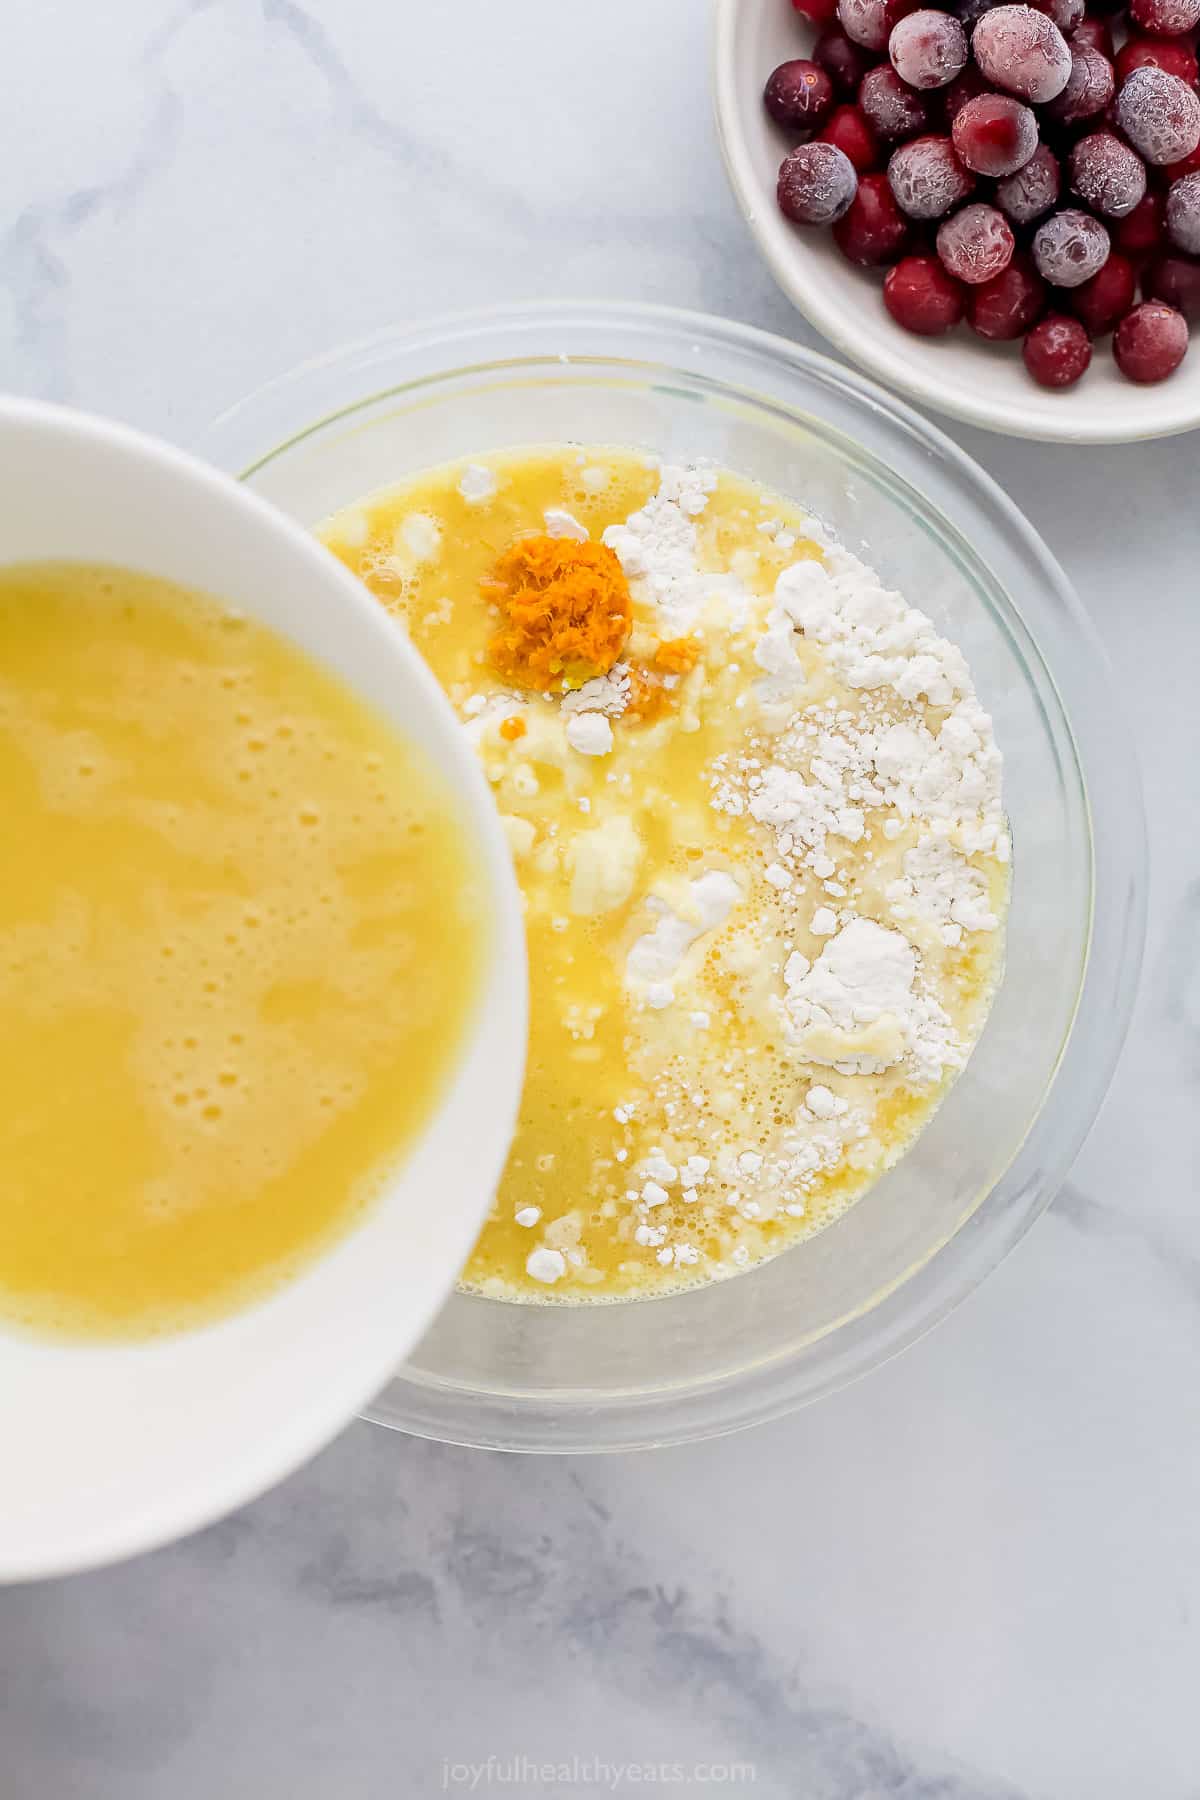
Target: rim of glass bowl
(757, 367)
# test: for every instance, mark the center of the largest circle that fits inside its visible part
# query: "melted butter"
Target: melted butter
(596, 1051)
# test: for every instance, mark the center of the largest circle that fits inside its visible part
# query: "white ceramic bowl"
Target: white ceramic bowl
(108, 1449)
(983, 383)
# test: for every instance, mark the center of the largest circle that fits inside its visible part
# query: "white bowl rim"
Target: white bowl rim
(881, 350)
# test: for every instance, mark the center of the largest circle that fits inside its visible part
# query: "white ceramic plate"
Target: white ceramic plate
(108, 1449)
(985, 384)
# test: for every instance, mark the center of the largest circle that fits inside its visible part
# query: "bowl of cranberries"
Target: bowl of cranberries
(993, 207)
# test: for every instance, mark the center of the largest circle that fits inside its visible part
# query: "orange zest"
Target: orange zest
(512, 728)
(676, 656)
(566, 611)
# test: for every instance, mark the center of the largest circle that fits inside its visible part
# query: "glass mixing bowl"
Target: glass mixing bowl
(652, 1371)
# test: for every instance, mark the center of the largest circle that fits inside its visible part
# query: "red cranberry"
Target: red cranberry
(1069, 248)
(894, 110)
(928, 49)
(1093, 34)
(818, 11)
(1090, 87)
(1107, 297)
(816, 184)
(1033, 190)
(995, 134)
(799, 96)
(976, 244)
(927, 177)
(1023, 52)
(1147, 53)
(874, 231)
(1107, 174)
(1141, 230)
(843, 61)
(1175, 279)
(1057, 351)
(1151, 342)
(1183, 214)
(1007, 305)
(921, 296)
(1165, 18)
(1159, 114)
(963, 88)
(849, 128)
(870, 22)
(1067, 14)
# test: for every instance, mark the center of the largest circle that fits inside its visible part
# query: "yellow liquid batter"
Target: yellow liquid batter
(240, 938)
(615, 1085)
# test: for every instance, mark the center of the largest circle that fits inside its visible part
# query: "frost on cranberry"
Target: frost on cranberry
(1069, 248)
(922, 297)
(1095, 35)
(894, 110)
(1057, 351)
(1033, 190)
(817, 183)
(1183, 214)
(1006, 306)
(1107, 174)
(799, 95)
(1107, 297)
(874, 230)
(1067, 14)
(870, 22)
(1159, 114)
(976, 244)
(1022, 51)
(1165, 18)
(927, 178)
(1090, 87)
(995, 134)
(1176, 280)
(928, 49)
(1151, 342)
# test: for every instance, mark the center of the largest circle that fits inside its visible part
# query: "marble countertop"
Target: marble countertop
(974, 1574)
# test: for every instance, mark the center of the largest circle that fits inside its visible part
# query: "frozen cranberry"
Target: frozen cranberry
(969, 12)
(1033, 190)
(1093, 34)
(1107, 297)
(975, 244)
(921, 296)
(1149, 53)
(799, 96)
(1159, 114)
(1107, 174)
(816, 184)
(1175, 279)
(894, 110)
(849, 128)
(927, 177)
(963, 88)
(994, 134)
(1022, 51)
(1007, 305)
(844, 62)
(1057, 351)
(1151, 342)
(870, 22)
(1165, 18)
(1141, 230)
(1069, 248)
(928, 49)
(874, 231)
(1187, 165)
(1183, 214)
(1067, 14)
(818, 11)
(1090, 87)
